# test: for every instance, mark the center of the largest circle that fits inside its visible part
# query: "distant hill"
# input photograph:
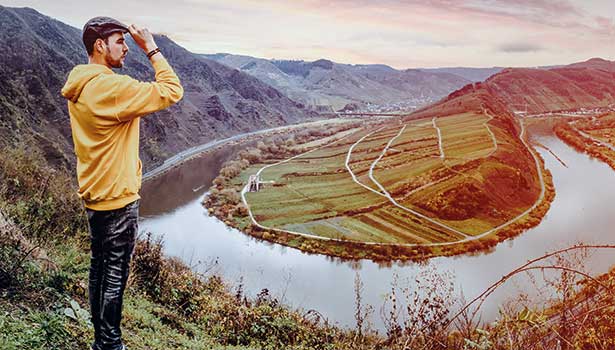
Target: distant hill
(595, 63)
(587, 84)
(38, 52)
(471, 74)
(324, 83)
(476, 74)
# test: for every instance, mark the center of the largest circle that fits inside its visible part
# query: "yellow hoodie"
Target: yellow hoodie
(104, 110)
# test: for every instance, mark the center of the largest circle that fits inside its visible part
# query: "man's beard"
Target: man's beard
(113, 63)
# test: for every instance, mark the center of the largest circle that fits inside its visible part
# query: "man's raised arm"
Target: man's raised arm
(134, 99)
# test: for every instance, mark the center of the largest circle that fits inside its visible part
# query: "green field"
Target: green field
(405, 190)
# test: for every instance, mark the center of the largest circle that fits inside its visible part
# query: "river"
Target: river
(581, 212)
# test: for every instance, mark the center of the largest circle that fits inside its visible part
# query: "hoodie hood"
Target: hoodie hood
(79, 77)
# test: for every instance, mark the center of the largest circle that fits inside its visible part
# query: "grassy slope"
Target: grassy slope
(32, 315)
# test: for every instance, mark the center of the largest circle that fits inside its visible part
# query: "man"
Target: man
(105, 109)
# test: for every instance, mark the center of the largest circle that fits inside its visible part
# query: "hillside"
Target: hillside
(595, 63)
(588, 84)
(38, 52)
(324, 83)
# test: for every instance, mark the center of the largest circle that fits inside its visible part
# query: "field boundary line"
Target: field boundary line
(485, 124)
(495, 148)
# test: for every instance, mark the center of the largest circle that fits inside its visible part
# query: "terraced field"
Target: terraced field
(427, 182)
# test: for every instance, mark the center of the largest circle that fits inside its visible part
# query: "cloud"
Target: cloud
(605, 25)
(532, 8)
(518, 47)
(560, 14)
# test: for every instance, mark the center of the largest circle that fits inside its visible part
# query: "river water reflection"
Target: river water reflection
(582, 211)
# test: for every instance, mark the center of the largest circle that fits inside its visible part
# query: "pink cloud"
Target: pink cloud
(528, 14)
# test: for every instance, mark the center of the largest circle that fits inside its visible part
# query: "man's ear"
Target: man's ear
(99, 45)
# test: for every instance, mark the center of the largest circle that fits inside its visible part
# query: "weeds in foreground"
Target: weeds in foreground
(40, 200)
(229, 317)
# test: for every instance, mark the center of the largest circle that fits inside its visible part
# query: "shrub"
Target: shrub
(252, 156)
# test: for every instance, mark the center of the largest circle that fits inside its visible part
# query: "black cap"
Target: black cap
(101, 27)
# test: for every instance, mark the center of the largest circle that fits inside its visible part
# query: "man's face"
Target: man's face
(116, 50)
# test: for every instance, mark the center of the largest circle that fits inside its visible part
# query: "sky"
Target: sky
(400, 33)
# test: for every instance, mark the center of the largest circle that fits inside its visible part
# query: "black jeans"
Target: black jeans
(113, 234)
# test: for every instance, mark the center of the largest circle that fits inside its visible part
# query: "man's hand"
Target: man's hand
(143, 38)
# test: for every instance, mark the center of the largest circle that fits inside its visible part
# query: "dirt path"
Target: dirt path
(433, 121)
(347, 164)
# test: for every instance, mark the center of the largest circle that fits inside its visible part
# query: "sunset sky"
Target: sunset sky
(403, 34)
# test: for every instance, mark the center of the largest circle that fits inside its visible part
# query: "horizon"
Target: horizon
(503, 34)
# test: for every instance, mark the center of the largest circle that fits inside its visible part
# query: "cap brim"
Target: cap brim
(109, 31)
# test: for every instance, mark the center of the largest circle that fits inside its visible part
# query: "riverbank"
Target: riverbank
(227, 202)
(582, 142)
